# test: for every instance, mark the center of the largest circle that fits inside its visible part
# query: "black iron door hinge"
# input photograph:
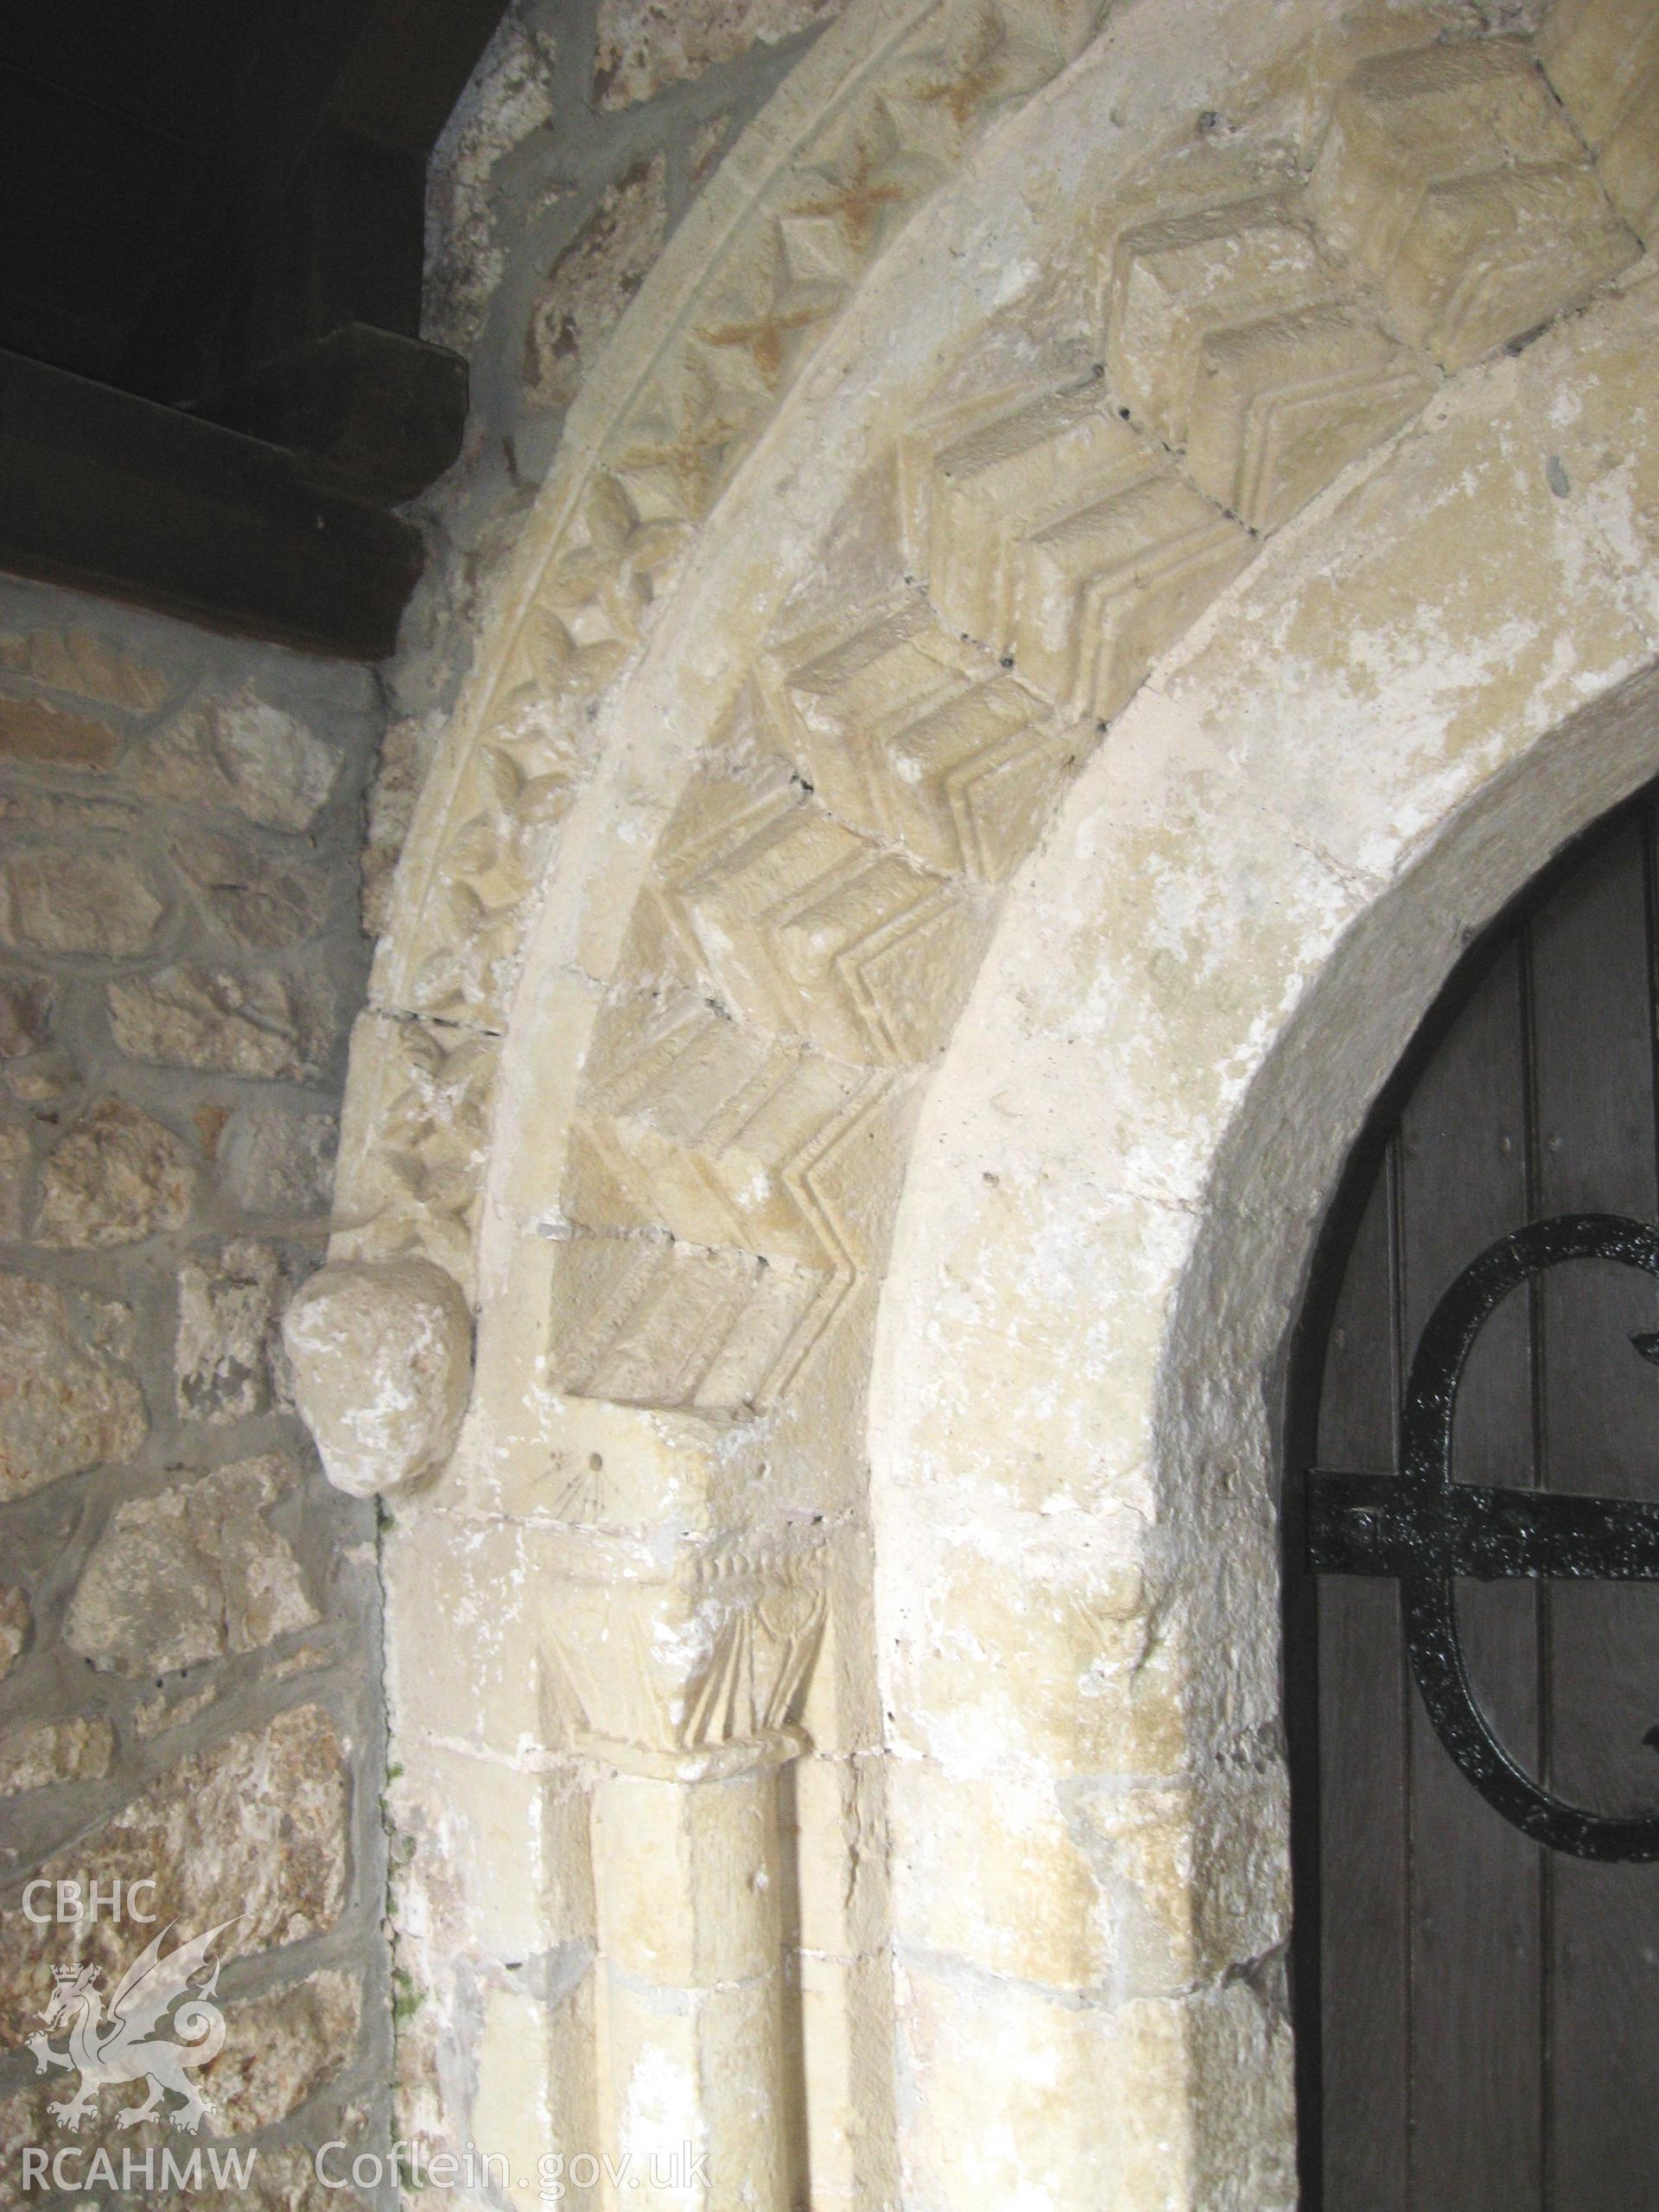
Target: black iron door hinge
(1426, 1530)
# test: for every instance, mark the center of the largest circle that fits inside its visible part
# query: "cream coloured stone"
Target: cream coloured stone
(17, 1162)
(733, 1138)
(647, 1650)
(1235, 335)
(700, 1903)
(279, 2049)
(1086, 1448)
(117, 1177)
(66, 1402)
(808, 928)
(1402, 585)
(382, 1357)
(1191, 979)
(1454, 176)
(191, 1017)
(916, 740)
(847, 2060)
(1074, 2105)
(473, 1686)
(25, 1014)
(55, 1752)
(534, 2099)
(279, 1162)
(1242, 2093)
(1602, 57)
(699, 2067)
(37, 731)
(1063, 541)
(78, 662)
(227, 1359)
(516, 1832)
(255, 899)
(990, 1869)
(15, 1619)
(251, 1830)
(243, 755)
(193, 1572)
(434, 1094)
(1061, 1668)
(65, 899)
(1594, 401)
(840, 1848)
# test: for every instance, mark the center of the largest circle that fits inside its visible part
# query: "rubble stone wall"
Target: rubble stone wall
(188, 1612)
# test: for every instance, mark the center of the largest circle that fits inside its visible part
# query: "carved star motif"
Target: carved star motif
(857, 199)
(677, 447)
(993, 66)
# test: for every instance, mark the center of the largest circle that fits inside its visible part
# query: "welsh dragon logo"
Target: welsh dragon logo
(120, 2047)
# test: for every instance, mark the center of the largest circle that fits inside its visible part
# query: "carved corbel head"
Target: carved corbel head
(382, 1352)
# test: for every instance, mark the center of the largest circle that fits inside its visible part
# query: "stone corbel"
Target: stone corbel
(689, 1685)
(382, 1353)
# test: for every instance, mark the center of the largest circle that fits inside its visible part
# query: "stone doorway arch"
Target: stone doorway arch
(1084, 579)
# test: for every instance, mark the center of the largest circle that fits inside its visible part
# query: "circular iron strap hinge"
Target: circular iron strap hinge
(1426, 1530)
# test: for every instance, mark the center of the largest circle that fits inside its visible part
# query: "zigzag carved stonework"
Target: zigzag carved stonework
(641, 1320)
(802, 925)
(818, 903)
(908, 736)
(1232, 335)
(728, 1135)
(418, 1186)
(809, 918)
(642, 466)
(1454, 179)
(1056, 535)
(1602, 57)
(820, 898)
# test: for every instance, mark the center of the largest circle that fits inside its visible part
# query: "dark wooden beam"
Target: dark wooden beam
(116, 495)
(374, 414)
(312, 213)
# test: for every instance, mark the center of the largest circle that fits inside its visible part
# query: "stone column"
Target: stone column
(688, 1684)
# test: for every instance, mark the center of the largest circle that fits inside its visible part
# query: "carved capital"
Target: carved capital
(382, 1352)
(695, 1673)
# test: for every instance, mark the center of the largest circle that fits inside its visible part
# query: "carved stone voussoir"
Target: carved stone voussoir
(382, 1356)
(414, 1186)
(696, 1673)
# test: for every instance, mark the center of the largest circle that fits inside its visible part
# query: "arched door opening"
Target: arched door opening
(1474, 2005)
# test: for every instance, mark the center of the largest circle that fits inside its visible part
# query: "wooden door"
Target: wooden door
(1477, 2015)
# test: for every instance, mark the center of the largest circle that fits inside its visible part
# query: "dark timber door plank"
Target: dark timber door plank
(1599, 1408)
(1363, 1955)
(1477, 2028)
(1488, 2009)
